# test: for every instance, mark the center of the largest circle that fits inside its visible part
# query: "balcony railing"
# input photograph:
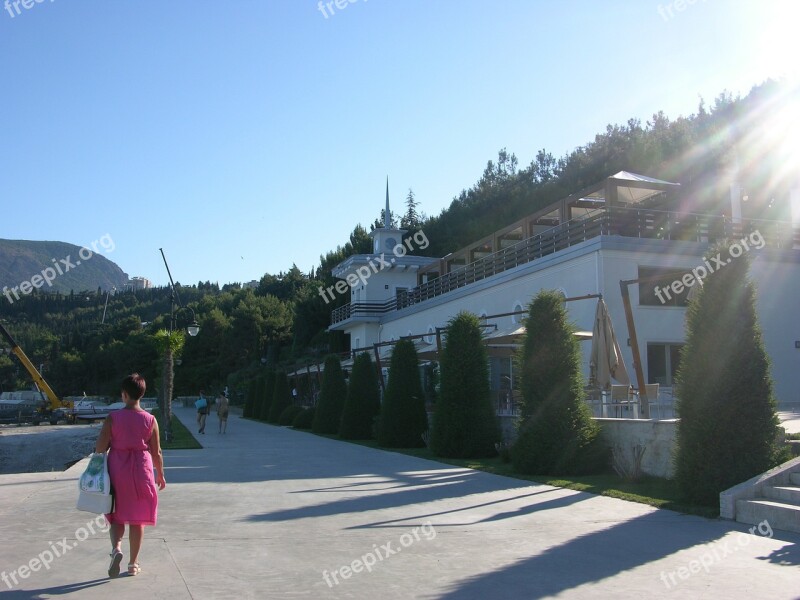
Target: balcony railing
(625, 222)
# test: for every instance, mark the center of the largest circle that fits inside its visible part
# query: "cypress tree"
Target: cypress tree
(256, 387)
(281, 397)
(328, 414)
(250, 400)
(363, 400)
(727, 428)
(464, 420)
(556, 435)
(266, 391)
(403, 417)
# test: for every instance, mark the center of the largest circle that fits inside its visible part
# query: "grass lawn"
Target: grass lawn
(654, 491)
(182, 438)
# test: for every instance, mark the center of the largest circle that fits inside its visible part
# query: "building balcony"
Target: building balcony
(619, 221)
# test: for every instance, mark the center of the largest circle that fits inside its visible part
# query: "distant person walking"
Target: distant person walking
(131, 437)
(222, 411)
(202, 412)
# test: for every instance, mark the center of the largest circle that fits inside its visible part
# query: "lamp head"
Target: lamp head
(193, 329)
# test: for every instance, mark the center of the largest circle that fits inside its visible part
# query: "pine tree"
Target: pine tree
(281, 397)
(728, 425)
(363, 400)
(403, 416)
(557, 435)
(328, 416)
(411, 220)
(464, 420)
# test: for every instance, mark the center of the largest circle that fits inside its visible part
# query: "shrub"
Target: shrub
(304, 419)
(281, 397)
(464, 420)
(403, 419)
(363, 400)
(266, 391)
(328, 415)
(557, 435)
(728, 426)
(289, 413)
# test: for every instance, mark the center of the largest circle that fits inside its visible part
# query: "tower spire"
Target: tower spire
(387, 218)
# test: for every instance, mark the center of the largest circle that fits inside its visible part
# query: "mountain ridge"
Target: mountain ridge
(54, 266)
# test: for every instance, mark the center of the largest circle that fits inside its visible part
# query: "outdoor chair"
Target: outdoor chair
(651, 390)
(620, 399)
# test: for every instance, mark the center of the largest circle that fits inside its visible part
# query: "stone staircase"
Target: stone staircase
(778, 504)
(773, 497)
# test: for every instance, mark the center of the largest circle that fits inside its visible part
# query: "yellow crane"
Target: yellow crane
(52, 404)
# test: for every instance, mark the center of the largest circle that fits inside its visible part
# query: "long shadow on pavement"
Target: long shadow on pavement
(58, 590)
(623, 547)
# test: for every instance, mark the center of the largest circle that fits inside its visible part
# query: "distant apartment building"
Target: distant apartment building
(139, 283)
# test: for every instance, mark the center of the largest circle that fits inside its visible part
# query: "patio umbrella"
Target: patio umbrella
(606, 359)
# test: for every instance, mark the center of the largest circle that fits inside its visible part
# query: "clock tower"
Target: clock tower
(385, 239)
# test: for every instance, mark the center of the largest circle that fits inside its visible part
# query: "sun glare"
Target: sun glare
(777, 43)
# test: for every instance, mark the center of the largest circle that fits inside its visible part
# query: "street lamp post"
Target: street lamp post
(169, 364)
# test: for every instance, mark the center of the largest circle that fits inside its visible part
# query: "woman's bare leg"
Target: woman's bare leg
(136, 533)
(116, 531)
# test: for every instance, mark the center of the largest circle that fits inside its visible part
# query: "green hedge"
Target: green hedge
(304, 419)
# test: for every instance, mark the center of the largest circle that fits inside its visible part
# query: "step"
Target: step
(795, 478)
(787, 494)
(778, 514)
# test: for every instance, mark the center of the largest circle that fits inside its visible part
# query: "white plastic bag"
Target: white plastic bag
(95, 486)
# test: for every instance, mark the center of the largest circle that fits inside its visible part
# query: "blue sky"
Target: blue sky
(245, 136)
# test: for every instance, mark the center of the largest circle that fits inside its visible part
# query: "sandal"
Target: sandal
(116, 559)
(134, 569)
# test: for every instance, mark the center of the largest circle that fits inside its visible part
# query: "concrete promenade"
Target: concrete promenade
(268, 512)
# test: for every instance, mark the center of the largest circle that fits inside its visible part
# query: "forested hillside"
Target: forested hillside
(285, 318)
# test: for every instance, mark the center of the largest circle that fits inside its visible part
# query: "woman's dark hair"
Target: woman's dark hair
(134, 385)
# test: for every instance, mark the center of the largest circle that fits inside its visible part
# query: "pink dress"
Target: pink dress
(130, 466)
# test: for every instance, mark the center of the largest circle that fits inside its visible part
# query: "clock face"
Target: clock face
(391, 243)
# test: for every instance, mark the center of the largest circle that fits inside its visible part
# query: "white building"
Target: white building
(139, 283)
(624, 228)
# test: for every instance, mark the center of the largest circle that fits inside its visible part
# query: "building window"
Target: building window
(662, 363)
(659, 291)
(520, 317)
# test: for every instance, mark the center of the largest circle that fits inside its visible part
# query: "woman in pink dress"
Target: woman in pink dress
(131, 433)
